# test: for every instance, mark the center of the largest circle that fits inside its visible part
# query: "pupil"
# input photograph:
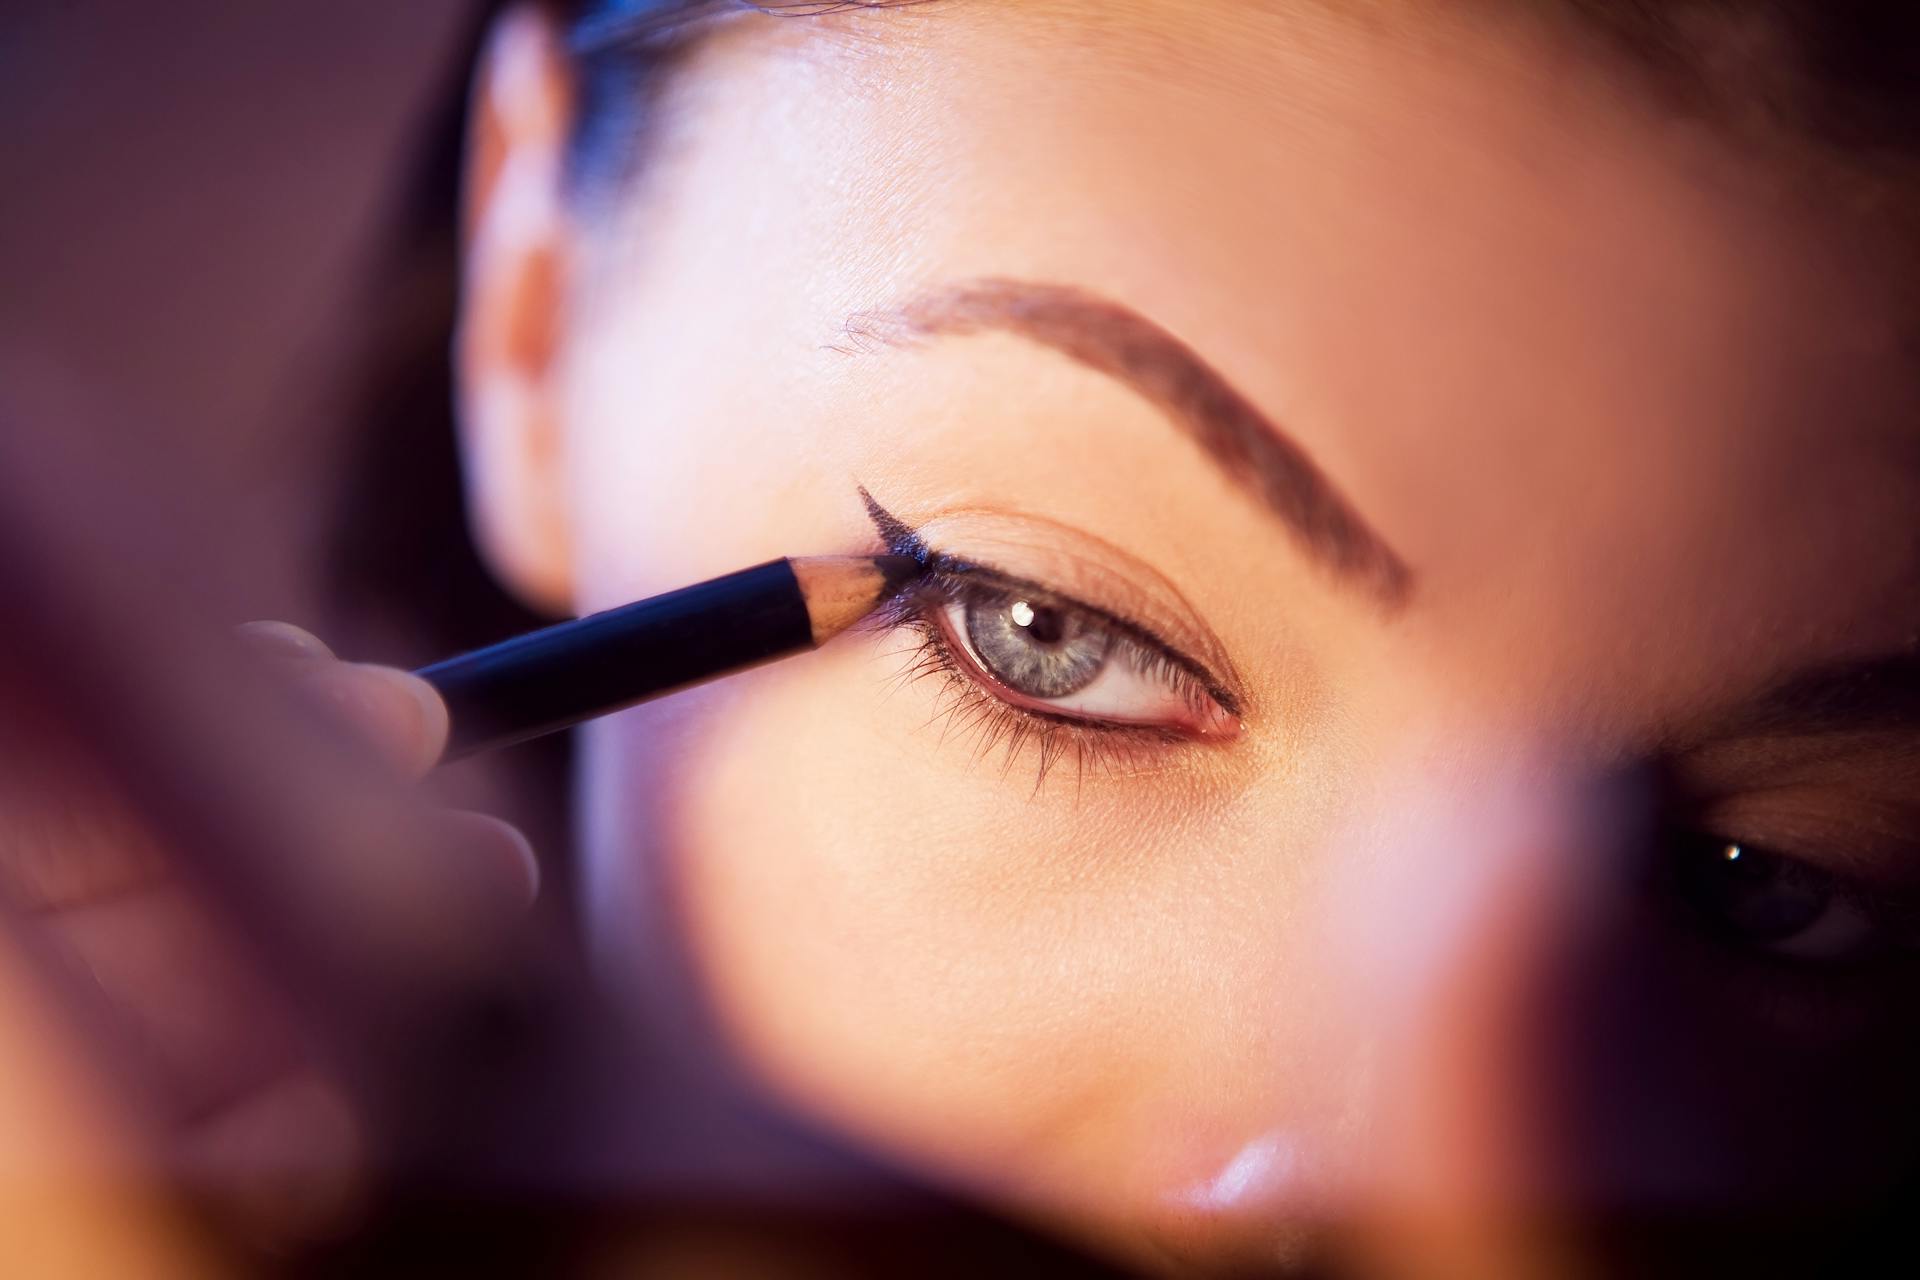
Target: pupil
(1045, 626)
(1036, 650)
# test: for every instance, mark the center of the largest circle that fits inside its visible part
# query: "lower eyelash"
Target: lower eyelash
(963, 707)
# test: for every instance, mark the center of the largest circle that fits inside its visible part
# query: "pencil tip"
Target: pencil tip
(841, 590)
(896, 572)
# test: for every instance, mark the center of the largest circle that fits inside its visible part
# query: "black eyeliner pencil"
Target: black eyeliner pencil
(549, 679)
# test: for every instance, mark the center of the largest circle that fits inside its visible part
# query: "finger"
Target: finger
(501, 857)
(282, 640)
(191, 1019)
(396, 712)
(282, 1165)
(194, 1021)
(64, 838)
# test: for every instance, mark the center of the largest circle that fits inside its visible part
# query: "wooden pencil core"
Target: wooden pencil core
(841, 590)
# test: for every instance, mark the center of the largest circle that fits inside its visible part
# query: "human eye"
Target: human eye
(1771, 902)
(1091, 656)
(1040, 653)
(1024, 665)
(1794, 855)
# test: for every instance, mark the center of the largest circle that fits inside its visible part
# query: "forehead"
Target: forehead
(1559, 345)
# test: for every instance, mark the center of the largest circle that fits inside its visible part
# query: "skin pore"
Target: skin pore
(1597, 437)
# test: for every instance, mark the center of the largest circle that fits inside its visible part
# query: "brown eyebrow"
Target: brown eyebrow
(1115, 340)
(1873, 694)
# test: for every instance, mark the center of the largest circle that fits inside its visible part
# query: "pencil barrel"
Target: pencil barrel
(547, 680)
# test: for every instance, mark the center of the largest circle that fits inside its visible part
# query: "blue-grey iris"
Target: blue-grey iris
(1037, 649)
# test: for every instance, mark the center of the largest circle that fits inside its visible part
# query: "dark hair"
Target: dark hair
(621, 50)
(1843, 74)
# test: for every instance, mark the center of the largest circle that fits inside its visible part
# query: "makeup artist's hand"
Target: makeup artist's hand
(398, 715)
(252, 1122)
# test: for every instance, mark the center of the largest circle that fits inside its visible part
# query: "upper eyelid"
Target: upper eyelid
(1090, 568)
(1856, 841)
(950, 573)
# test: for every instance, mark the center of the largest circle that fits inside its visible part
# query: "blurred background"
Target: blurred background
(227, 249)
(198, 199)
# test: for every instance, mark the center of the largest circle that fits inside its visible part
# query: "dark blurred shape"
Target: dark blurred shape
(230, 232)
(196, 191)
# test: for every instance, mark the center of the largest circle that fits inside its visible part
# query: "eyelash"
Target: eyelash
(967, 705)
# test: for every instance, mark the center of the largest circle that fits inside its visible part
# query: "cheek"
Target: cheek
(869, 931)
(1047, 996)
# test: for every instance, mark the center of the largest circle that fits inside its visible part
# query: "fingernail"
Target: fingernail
(282, 640)
(512, 862)
(397, 711)
(429, 708)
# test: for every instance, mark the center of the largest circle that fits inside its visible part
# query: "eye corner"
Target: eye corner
(1219, 722)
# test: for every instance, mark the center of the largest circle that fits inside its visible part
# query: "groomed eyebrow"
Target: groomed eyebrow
(1115, 340)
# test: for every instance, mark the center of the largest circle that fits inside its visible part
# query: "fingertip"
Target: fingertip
(285, 1165)
(282, 640)
(513, 863)
(432, 725)
(397, 711)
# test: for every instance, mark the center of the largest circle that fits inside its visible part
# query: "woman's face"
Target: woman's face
(1510, 462)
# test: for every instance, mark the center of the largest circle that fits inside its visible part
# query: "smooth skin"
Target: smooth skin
(1628, 397)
